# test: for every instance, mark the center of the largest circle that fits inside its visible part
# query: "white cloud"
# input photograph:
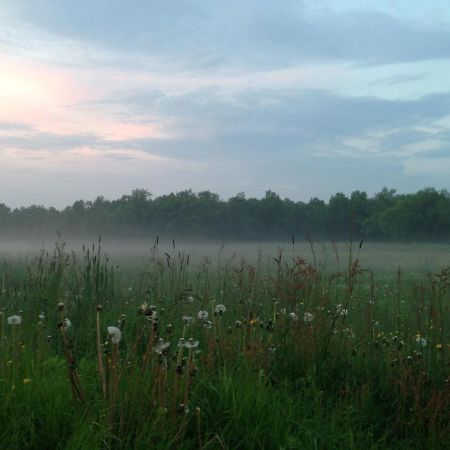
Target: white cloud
(428, 166)
(424, 146)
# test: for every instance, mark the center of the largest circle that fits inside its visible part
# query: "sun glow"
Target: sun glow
(54, 100)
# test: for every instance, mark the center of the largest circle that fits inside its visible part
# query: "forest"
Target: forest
(386, 215)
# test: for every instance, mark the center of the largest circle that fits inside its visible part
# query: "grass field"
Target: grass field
(241, 347)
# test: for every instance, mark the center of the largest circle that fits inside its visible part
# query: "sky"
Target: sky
(304, 98)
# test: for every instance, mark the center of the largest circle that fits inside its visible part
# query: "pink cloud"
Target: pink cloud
(50, 99)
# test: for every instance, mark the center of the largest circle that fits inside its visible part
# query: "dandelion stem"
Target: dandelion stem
(101, 368)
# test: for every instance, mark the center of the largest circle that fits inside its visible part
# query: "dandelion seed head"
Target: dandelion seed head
(308, 317)
(114, 334)
(202, 315)
(14, 320)
(220, 309)
(161, 346)
(188, 320)
(191, 343)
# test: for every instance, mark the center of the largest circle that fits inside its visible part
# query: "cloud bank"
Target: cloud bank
(302, 98)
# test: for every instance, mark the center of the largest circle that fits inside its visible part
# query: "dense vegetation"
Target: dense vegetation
(220, 355)
(424, 215)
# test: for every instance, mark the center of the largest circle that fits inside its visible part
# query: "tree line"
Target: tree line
(424, 215)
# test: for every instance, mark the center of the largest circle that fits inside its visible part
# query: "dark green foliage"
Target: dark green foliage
(298, 359)
(424, 215)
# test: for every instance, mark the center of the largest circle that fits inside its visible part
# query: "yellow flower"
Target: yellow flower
(438, 346)
(26, 380)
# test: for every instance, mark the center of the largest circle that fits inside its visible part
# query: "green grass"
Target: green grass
(262, 377)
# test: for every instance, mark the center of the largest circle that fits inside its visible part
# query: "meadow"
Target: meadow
(275, 346)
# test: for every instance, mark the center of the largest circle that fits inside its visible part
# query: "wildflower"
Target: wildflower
(188, 320)
(146, 310)
(14, 320)
(67, 323)
(349, 333)
(220, 309)
(292, 316)
(421, 340)
(202, 315)
(308, 317)
(190, 299)
(438, 346)
(269, 325)
(41, 316)
(181, 408)
(207, 324)
(60, 306)
(238, 324)
(115, 334)
(191, 344)
(26, 380)
(181, 342)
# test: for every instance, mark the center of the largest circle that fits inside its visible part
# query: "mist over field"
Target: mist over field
(329, 256)
(406, 231)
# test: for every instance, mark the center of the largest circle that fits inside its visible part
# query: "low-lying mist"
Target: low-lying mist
(327, 255)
